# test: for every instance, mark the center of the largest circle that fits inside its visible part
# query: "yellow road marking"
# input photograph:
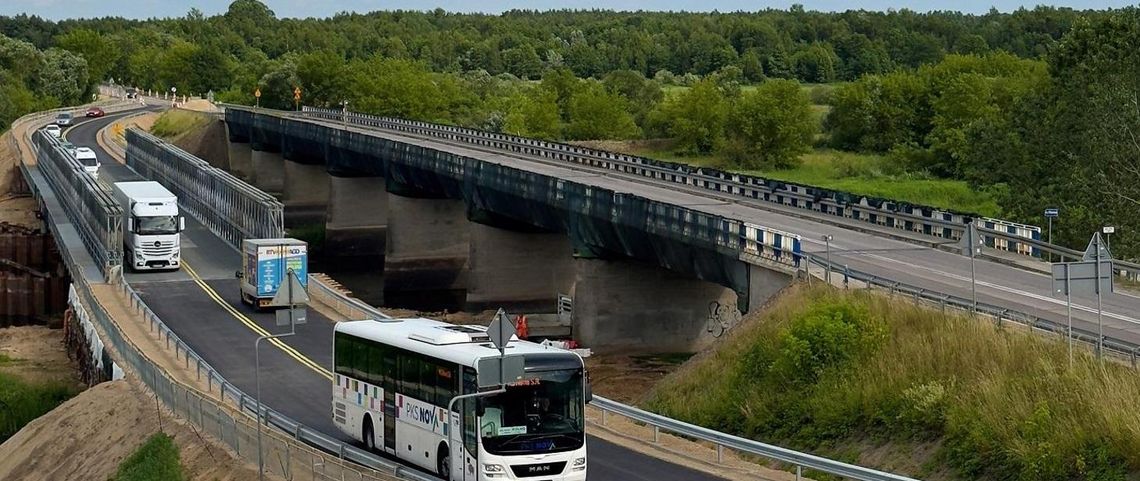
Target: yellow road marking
(249, 323)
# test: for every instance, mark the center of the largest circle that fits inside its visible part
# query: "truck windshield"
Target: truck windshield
(156, 225)
(541, 414)
(89, 162)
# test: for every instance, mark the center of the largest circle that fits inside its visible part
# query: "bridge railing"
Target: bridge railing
(96, 216)
(227, 206)
(903, 216)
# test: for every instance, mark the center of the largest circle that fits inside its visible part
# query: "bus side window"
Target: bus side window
(389, 369)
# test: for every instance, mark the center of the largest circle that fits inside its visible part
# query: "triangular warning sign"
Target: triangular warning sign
(1090, 251)
(299, 294)
(971, 242)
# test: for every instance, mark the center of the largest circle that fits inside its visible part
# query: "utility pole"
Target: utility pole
(827, 247)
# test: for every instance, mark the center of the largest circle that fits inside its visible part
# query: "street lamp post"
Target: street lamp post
(1050, 214)
(344, 112)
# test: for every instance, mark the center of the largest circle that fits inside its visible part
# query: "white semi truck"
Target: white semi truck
(150, 226)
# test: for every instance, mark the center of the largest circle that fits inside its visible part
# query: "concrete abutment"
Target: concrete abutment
(356, 224)
(425, 264)
(518, 271)
(268, 171)
(305, 195)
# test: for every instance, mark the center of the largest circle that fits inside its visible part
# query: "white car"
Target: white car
(63, 118)
(87, 158)
(54, 131)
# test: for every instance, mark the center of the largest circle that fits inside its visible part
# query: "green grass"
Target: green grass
(175, 122)
(155, 460)
(841, 373)
(862, 174)
(22, 401)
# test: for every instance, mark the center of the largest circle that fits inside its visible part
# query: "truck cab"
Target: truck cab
(151, 226)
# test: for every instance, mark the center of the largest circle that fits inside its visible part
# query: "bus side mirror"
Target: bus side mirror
(589, 393)
(130, 225)
(181, 224)
(238, 275)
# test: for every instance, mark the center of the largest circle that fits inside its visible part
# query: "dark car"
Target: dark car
(132, 93)
(95, 112)
(63, 119)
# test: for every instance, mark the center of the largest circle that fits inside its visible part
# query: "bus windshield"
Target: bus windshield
(543, 413)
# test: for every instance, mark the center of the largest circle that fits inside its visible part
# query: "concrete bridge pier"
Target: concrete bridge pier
(425, 264)
(305, 195)
(240, 158)
(268, 171)
(518, 271)
(356, 224)
(621, 304)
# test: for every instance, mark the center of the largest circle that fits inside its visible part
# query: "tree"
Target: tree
(324, 78)
(523, 62)
(63, 77)
(98, 50)
(817, 63)
(534, 113)
(771, 126)
(597, 114)
(641, 94)
(695, 118)
(751, 65)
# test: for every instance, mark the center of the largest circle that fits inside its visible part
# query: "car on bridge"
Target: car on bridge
(53, 130)
(64, 118)
(87, 158)
(95, 112)
(69, 147)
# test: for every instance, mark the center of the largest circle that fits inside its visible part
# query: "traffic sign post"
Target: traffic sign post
(505, 367)
(1091, 274)
(1050, 214)
(289, 294)
(970, 244)
(257, 97)
(297, 98)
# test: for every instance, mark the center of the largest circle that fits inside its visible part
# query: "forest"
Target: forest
(1005, 113)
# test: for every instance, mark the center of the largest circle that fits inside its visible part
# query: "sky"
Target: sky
(61, 9)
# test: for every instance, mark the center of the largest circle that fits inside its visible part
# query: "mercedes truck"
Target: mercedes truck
(151, 225)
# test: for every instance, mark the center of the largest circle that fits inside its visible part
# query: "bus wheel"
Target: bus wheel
(443, 462)
(369, 439)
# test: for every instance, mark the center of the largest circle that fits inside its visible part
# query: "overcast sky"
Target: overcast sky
(60, 9)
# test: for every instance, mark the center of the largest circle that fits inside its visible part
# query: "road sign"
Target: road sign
(1081, 277)
(1108, 229)
(300, 316)
(491, 373)
(971, 243)
(501, 330)
(291, 289)
(173, 89)
(1052, 213)
(1090, 251)
(257, 93)
(296, 93)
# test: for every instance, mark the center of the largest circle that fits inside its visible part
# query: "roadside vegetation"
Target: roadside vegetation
(22, 401)
(174, 123)
(825, 370)
(156, 460)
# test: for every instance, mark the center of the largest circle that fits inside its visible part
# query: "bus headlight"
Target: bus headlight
(492, 470)
(578, 465)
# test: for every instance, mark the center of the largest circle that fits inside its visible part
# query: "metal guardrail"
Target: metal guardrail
(223, 203)
(739, 444)
(1124, 349)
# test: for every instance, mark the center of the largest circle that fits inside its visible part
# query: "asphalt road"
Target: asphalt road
(201, 304)
(924, 267)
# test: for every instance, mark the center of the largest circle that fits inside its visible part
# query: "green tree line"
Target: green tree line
(32, 79)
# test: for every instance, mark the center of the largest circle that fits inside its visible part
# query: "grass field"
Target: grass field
(23, 401)
(856, 173)
(175, 122)
(856, 374)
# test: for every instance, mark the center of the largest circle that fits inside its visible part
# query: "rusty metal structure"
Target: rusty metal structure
(33, 279)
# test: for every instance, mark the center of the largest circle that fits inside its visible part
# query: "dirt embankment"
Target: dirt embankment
(17, 209)
(88, 436)
(208, 142)
(36, 354)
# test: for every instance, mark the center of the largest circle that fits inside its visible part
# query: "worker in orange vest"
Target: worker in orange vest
(520, 326)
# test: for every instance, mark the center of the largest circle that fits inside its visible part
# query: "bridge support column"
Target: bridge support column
(425, 265)
(306, 195)
(356, 224)
(518, 271)
(240, 159)
(268, 171)
(631, 305)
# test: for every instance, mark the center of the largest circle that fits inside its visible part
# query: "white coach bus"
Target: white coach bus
(394, 379)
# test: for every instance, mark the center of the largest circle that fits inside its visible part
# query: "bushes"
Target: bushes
(176, 122)
(829, 368)
(21, 402)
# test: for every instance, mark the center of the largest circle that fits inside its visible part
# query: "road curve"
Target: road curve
(200, 303)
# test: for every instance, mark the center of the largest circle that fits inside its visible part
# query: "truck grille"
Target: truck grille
(158, 249)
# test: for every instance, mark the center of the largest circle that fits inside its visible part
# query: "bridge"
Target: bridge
(450, 183)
